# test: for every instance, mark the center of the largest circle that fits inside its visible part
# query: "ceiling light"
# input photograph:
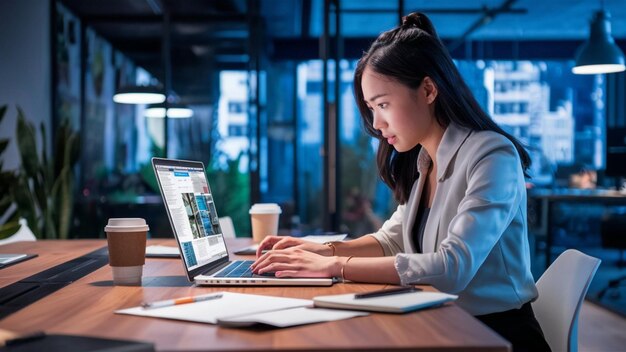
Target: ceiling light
(139, 95)
(599, 54)
(174, 111)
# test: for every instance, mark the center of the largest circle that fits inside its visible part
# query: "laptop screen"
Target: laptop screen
(189, 204)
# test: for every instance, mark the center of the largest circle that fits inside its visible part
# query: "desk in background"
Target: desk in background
(549, 198)
(85, 307)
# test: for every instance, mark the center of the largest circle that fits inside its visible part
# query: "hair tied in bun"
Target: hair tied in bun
(411, 20)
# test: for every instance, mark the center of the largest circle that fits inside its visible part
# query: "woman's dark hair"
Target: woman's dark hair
(407, 54)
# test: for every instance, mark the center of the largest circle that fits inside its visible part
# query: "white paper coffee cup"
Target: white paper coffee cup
(126, 240)
(264, 218)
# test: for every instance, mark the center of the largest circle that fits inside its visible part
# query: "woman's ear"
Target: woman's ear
(430, 88)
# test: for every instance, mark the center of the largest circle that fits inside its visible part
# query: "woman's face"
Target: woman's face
(403, 115)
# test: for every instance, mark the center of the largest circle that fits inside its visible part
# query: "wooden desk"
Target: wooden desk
(86, 307)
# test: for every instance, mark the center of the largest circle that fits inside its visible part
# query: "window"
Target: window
(236, 107)
(546, 107)
(237, 130)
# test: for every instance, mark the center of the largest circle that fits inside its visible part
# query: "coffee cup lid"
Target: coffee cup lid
(265, 208)
(126, 225)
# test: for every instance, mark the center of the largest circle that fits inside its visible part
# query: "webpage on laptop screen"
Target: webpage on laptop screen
(191, 208)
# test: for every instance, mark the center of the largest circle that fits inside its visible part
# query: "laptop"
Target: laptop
(192, 213)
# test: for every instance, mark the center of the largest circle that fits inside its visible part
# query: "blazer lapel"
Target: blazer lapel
(453, 138)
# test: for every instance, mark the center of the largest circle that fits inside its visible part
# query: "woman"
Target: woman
(459, 180)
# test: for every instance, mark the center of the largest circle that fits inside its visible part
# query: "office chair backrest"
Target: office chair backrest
(562, 289)
(228, 229)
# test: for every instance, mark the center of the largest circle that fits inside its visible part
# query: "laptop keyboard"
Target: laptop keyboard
(239, 268)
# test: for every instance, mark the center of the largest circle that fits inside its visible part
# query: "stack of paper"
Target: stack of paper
(238, 310)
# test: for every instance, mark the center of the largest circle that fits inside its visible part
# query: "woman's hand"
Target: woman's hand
(282, 242)
(297, 262)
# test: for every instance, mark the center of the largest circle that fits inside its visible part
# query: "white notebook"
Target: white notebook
(396, 303)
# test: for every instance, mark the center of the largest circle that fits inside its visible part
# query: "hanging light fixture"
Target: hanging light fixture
(599, 54)
(139, 95)
(174, 111)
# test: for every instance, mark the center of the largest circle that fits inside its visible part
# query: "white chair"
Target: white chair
(562, 289)
(228, 229)
(23, 234)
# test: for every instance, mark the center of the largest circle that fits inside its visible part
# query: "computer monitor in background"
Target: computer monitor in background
(616, 152)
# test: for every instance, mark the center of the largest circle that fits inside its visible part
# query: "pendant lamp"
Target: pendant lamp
(139, 95)
(174, 111)
(599, 54)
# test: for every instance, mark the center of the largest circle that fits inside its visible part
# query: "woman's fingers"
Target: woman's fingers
(267, 243)
(284, 256)
(267, 258)
(277, 242)
(277, 267)
(287, 273)
(293, 262)
(286, 242)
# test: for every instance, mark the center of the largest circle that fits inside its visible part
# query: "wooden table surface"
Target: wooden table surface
(86, 307)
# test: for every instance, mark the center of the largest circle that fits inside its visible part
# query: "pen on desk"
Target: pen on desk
(184, 300)
(387, 292)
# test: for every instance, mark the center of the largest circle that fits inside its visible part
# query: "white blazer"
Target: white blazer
(475, 242)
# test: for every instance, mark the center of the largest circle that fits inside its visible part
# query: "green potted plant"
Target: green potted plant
(42, 187)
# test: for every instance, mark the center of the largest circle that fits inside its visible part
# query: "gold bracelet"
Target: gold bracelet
(343, 277)
(332, 246)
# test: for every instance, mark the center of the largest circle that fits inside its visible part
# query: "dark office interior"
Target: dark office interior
(263, 91)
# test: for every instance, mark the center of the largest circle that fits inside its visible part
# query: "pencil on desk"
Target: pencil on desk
(177, 301)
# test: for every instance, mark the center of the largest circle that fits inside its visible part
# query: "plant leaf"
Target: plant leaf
(25, 202)
(3, 145)
(45, 164)
(15, 216)
(59, 149)
(3, 142)
(64, 202)
(50, 230)
(5, 203)
(27, 145)
(41, 189)
(9, 229)
(3, 110)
